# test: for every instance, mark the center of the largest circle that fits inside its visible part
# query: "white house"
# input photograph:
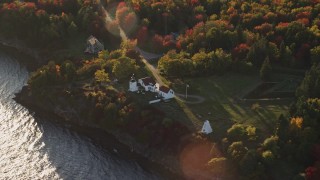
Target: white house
(206, 128)
(133, 84)
(165, 92)
(148, 84)
(93, 45)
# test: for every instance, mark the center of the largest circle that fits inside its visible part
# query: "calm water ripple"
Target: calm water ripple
(31, 149)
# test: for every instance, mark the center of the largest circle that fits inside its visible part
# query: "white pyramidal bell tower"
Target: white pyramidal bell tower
(206, 128)
(133, 85)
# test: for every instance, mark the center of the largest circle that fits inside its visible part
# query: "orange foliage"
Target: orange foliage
(296, 122)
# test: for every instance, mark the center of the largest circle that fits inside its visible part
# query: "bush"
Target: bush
(218, 165)
(237, 132)
(251, 132)
(237, 151)
(268, 157)
(271, 144)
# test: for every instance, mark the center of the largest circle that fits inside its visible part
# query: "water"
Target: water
(31, 149)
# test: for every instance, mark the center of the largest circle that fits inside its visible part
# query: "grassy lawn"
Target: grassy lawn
(223, 106)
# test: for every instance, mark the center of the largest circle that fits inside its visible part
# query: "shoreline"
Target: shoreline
(147, 159)
(103, 138)
(26, 56)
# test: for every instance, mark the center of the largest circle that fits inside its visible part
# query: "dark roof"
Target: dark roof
(148, 81)
(164, 89)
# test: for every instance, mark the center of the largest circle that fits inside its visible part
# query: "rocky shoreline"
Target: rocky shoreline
(122, 144)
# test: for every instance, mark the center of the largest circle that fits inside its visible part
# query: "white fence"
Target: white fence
(154, 101)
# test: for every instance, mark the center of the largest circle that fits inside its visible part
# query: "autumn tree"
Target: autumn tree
(124, 67)
(101, 76)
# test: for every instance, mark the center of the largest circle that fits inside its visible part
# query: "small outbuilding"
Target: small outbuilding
(148, 84)
(206, 128)
(93, 45)
(165, 92)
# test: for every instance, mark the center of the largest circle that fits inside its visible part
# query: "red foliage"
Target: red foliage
(199, 17)
(264, 28)
(303, 15)
(194, 2)
(157, 41)
(40, 12)
(10, 6)
(240, 51)
(231, 10)
(136, 7)
(142, 35)
(199, 27)
(178, 44)
(168, 41)
(189, 32)
(282, 25)
(130, 21)
(315, 1)
(304, 21)
(312, 173)
(30, 5)
(121, 5)
(121, 14)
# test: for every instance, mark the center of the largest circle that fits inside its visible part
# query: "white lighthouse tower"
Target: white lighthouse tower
(133, 85)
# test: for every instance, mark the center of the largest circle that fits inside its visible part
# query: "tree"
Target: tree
(124, 67)
(101, 76)
(285, 54)
(266, 69)
(104, 54)
(310, 86)
(315, 54)
(176, 64)
(72, 29)
(258, 52)
(68, 70)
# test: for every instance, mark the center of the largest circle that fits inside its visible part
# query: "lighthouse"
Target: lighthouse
(133, 85)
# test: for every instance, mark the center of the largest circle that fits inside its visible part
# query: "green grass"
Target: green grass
(223, 94)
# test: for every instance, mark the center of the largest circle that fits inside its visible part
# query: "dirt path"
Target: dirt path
(196, 122)
(148, 55)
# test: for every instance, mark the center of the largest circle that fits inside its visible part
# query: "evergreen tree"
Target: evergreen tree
(266, 69)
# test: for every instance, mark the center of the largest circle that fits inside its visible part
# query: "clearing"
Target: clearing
(223, 105)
